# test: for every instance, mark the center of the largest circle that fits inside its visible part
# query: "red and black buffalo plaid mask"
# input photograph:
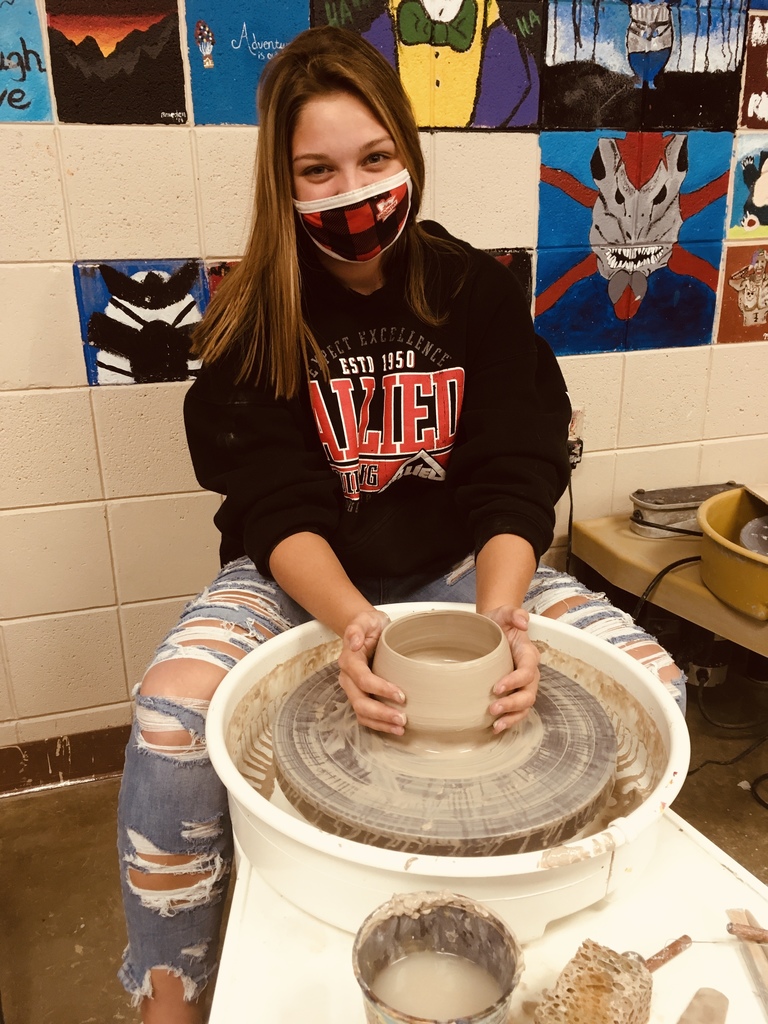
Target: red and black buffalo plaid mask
(358, 226)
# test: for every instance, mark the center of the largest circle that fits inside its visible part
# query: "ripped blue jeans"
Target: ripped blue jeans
(174, 836)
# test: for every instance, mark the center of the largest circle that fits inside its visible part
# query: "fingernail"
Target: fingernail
(401, 720)
(400, 696)
(498, 726)
(496, 709)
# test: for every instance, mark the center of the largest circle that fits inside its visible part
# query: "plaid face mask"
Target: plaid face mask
(357, 226)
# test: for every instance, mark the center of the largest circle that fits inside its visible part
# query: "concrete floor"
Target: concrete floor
(62, 931)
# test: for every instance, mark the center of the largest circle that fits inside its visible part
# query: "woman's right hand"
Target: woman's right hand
(360, 684)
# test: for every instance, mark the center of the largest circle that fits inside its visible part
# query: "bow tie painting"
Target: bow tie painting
(416, 25)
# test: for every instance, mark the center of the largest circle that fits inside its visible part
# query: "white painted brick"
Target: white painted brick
(485, 187)
(54, 560)
(594, 384)
(141, 439)
(164, 546)
(650, 468)
(143, 627)
(225, 172)
(65, 662)
(7, 710)
(427, 211)
(34, 223)
(743, 459)
(49, 448)
(131, 192)
(664, 396)
(41, 328)
(592, 490)
(737, 402)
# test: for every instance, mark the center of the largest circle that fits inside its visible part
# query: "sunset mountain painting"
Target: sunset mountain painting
(120, 67)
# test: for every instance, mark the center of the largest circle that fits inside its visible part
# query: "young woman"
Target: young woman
(385, 426)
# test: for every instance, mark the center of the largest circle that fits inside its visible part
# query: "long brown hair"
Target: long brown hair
(257, 306)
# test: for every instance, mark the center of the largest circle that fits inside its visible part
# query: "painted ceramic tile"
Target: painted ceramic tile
(216, 272)
(619, 217)
(464, 63)
(520, 262)
(24, 94)
(650, 65)
(680, 301)
(572, 312)
(754, 97)
(230, 44)
(136, 319)
(117, 63)
(744, 294)
(749, 189)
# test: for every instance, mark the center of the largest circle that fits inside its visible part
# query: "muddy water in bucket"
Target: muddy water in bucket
(430, 957)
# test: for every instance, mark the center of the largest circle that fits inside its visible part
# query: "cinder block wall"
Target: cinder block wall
(103, 530)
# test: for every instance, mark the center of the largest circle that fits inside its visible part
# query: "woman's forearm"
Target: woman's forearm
(505, 568)
(307, 569)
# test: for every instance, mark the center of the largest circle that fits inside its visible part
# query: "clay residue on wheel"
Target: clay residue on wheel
(641, 756)
(249, 730)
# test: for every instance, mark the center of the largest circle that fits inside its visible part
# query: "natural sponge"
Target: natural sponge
(598, 986)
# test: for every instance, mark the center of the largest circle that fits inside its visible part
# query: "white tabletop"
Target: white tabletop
(283, 966)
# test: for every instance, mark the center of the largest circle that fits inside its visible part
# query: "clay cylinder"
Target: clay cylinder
(446, 663)
(412, 924)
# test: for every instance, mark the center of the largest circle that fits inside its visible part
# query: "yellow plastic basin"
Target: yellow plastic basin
(736, 575)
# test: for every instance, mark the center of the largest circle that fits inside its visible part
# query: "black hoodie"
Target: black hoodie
(423, 443)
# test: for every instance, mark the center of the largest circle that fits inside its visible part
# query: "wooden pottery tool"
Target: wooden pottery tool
(708, 1006)
(748, 932)
(755, 955)
(652, 963)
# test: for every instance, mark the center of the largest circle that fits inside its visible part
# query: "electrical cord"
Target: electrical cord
(569, 543)
(637, 517)
(733, 760)
(656, 580)
(756, 783)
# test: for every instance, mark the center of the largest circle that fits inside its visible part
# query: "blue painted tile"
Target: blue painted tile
(587, 81)
(136, 318)
(567, 190)
(24, 92)
(574, 312)
(749, 188)
(602, 69)
(230, 44)
(703, 195)
(678, 308)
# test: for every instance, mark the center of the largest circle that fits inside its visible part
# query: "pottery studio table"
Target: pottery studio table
(282, 966)
(630, 561)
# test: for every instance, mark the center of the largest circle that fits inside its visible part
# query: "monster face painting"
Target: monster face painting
(644, 222)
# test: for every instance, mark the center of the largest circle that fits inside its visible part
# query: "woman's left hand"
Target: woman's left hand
(516, 692)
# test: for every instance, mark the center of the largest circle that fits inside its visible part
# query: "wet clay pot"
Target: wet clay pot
(446, 663)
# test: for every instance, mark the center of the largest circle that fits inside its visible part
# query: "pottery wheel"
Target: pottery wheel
(530, 788)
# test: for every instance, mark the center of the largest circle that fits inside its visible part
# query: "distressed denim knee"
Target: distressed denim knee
(174, 832)
(560, 596)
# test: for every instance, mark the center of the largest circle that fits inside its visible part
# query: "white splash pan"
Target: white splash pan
(341, 881)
